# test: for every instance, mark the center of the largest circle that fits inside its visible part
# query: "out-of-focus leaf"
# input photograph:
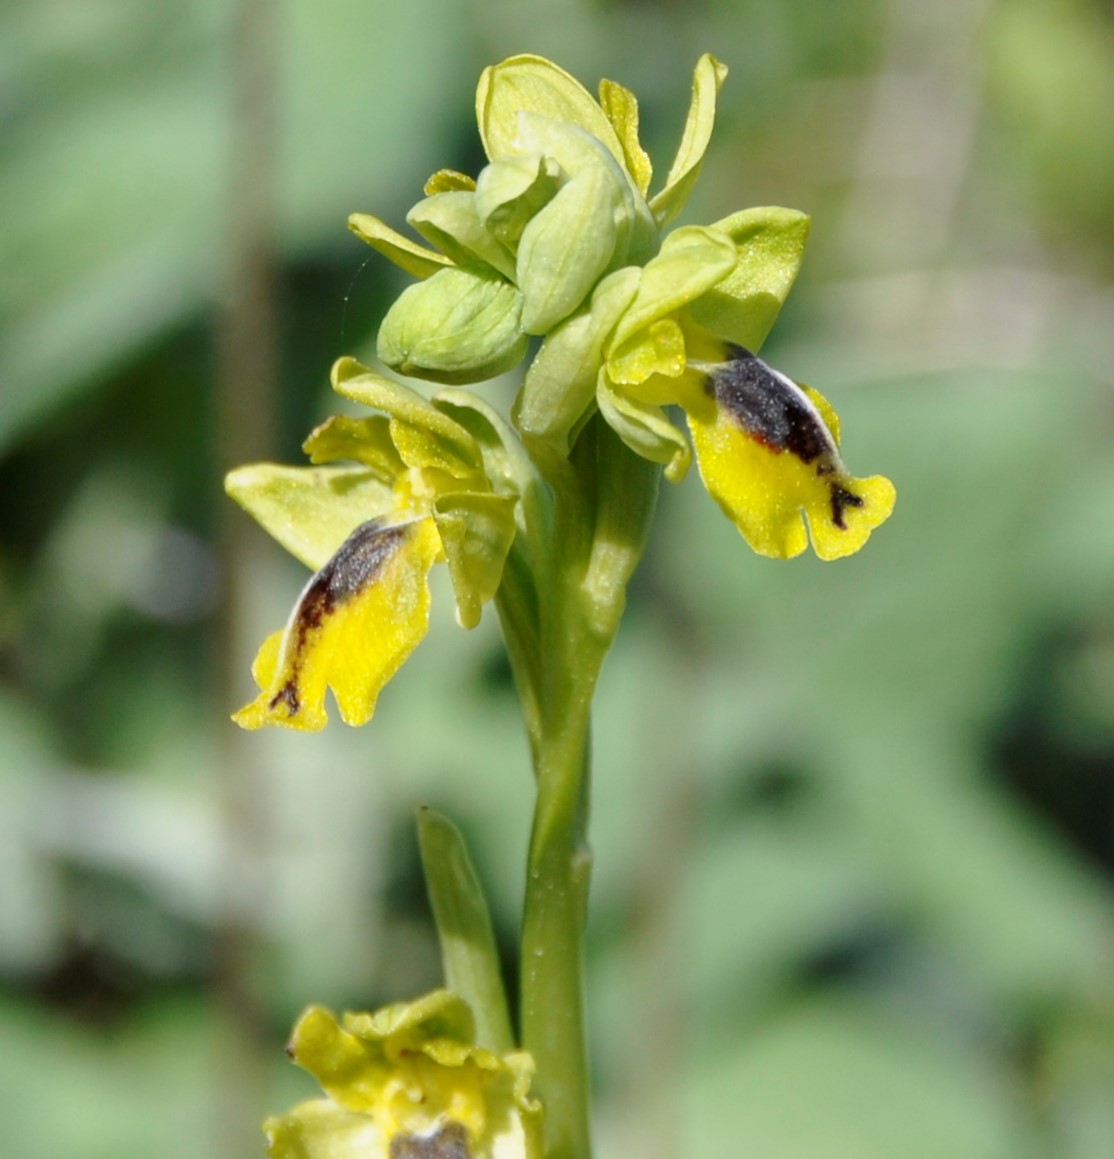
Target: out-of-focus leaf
(835, 1079)
(115, 182)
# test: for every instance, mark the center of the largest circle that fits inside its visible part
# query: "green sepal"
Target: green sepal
(564, 251)
(620, 106)
(744, 306)
(416, 260)
(447, 180)
(560, 384)
(477, 530)
(574, 151)
(450, 221)
(366, 441)
(363, 385)
(468, 951)
(645, 429)
(692, 259)
(707, 78)
(457, 327)
(509, 192)
(511, 472)
(532, 84)
(311, 511)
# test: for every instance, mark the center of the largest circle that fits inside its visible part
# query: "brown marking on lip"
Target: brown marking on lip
(357, 562)
(451, 1141)
(771, 410)
(841, 500)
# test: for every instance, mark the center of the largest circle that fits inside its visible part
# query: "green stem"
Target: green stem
(556, 689)
(560, 606)
(559, 866)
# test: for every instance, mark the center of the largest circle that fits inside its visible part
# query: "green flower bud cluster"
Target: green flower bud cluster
(558, 237)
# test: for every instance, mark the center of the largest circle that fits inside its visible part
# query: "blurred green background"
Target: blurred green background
(854, 823)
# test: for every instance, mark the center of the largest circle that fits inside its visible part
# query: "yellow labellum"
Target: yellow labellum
(355, 623)
(768, 453)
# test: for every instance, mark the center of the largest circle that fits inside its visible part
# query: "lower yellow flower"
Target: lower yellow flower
(416, 493)
(768, 452)
(407, 1082)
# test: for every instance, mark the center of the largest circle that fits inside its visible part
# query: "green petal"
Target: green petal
(450, 221)
(509, 192)
(659, 349)
(421, 448)
(570, 243)
(363, 385)
(707, 78)
(311, 511)
(365, 441)
(477, 531)
(416, 260)
(692, 260)
(645, 429)
(456, 327)
(560, 384)
(533, 84)
(355, 623)
(620, 106)
(744, 305)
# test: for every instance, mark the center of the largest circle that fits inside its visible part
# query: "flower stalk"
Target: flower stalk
(602, 501)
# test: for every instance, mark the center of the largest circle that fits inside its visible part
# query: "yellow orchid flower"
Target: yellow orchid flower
(407, 1082)
(678, 332)
(768, 452)
(419, 494)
